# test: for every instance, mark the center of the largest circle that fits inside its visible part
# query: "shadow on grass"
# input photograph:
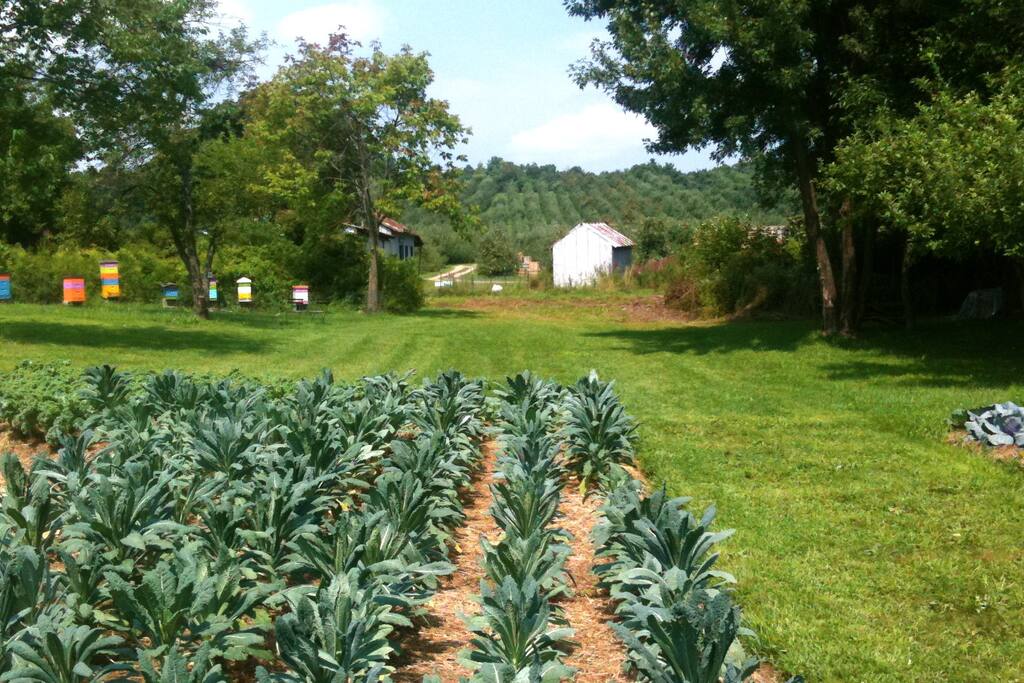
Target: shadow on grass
(150, 337)
(724, 338)
(444, 313)
(939, 353)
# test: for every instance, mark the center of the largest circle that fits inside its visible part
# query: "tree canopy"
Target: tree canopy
(783, 82)
(355, 138)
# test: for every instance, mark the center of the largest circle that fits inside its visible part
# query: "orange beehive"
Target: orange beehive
(74, 290)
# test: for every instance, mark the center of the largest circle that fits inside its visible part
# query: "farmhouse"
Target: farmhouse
(589, 250)
(395, 239)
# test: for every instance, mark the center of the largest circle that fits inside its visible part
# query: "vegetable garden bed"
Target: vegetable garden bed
(192, 529)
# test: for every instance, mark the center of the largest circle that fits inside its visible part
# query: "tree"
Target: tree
(653, 239)
(784, 81)
(145, 82)
(950, 179)
(358, 138)
(37, 152)
(496, 256)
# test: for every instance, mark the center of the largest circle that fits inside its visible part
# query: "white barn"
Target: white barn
(589, 250)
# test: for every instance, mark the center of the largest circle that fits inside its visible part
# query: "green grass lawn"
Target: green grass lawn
(867, 549)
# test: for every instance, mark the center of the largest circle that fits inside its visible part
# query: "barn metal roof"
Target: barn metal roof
(609, 233)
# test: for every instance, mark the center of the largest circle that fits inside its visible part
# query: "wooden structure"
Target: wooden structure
(110, 280)
(588, 251)
(393, 238)
(74, 291)
(244, 291)
(170, 293)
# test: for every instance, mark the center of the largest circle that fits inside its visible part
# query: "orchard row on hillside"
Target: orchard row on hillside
(533, 205)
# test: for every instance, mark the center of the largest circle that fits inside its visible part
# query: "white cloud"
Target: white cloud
(233, 12)
(579, 43)
(362, 20)
(595, 134)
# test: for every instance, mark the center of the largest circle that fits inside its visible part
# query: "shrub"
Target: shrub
(496, 255)
(400, 284)
(336, 267)
(268, 268)
(731, 265)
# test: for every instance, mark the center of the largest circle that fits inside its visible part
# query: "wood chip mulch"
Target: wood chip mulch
(26, 449)
(433, 648)
(598, 655)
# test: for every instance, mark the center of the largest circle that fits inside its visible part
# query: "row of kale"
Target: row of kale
(190, 518)
(676, 612)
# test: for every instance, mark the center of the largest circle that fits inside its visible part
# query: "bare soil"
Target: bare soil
(25, 448)
(639, 309)
(598, 655)
(1010, 454)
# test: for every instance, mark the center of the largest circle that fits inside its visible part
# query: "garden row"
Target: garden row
(194, 529)
(204, 531)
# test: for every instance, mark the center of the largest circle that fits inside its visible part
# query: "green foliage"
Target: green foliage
(56, 653)
(27, 587)
(657, 238)
(29, 509)
(184, 600)
(686, 641)
(340, 634)
(537, 557)
(37, 151)
(496, 255)
(513, 634)
(598, 432)
(401, 285)
(658, 534)
(336, 266)
(950, 176)
(729, 266)
(525, 502)
(42, 399)
(357, 137)
(529, 207)
(212, 498)
(37, 275)
(176, 667)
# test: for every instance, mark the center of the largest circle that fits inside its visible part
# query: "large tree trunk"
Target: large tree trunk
(1019, 266)
(867, 267)
(812, 225)
(373, 283)
(906, 293)
(372, 223)
(184, 236)
(848, 309)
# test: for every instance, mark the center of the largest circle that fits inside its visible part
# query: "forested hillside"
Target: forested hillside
(533, 205)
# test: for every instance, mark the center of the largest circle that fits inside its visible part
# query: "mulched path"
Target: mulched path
(433, 648)
(599, 654)
(25, 449)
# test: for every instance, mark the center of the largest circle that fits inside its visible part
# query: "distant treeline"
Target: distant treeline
(531, 206)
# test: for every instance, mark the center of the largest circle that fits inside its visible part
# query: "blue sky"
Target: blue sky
(502, 64)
